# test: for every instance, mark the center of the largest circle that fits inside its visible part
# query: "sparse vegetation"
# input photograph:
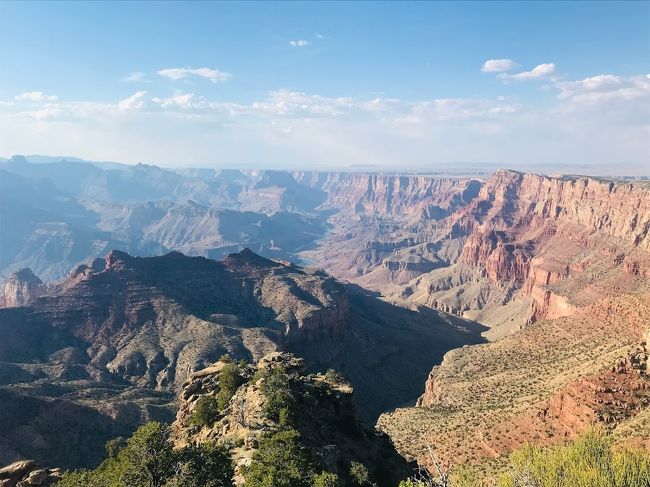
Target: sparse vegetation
(359, 474)
(591, 461)
(281, 461)
(230, 379)
(149, 460)
(205, 412)
(326, 479)
(279, 398)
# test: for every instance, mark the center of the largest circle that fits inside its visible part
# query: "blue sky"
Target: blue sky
(327, 84)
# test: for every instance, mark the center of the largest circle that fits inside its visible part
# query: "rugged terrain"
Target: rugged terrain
(111, 343)
(521, 248)
(551, 381)
(553, 271)
(321, 409)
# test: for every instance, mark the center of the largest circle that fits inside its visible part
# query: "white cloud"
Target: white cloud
(498, 65)
(541, 71)
(49, 113)
(602, 82)
(175, 74)
(183, 101)
(136, 101)
(135, 77)
(299, 43)
(600, 119)
(604, 88)
(36, 96)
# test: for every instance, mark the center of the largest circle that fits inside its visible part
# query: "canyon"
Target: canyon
(378, 276)
(111, 344)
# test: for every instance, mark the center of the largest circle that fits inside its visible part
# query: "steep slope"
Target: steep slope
(388, 194)
(552, 380)
(130, 330)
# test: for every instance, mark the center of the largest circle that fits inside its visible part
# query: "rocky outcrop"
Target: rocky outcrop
(27, 473)
(321, 409)
(22, 288)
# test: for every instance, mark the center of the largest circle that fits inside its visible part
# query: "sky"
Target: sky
(315, 85)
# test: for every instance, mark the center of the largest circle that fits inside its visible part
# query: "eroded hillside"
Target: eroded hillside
(117, 338)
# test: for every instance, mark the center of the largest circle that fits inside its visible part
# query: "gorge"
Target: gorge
(378, 276)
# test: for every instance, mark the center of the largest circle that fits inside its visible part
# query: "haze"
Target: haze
(559, 87)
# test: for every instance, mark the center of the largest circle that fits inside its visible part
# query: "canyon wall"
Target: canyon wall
(539, 231)
(386, 194)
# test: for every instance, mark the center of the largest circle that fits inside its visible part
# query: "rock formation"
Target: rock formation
(322, 410)
(21, 288)
(27, 473)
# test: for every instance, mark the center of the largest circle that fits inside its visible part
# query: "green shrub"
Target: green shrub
(326, 479)
(277, 390)
(280, 461)
(590, 461)
(230, 379)
(114, 446)
(84, 478)
(411, 483)
(206, 411)
(359, 474)
(148, 460)
(206, 465)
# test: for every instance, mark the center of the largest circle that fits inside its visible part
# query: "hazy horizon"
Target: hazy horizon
(453, 168)
(413, 86)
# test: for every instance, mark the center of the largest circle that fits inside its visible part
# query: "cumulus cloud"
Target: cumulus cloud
(498, 65)
(36, 96)
(213, 75)
(541, 71)
(299, 43)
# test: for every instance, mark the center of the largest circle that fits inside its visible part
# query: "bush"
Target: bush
(588, 462)
(206, 465)
(83, 478)
(229, 380)
(280, 461)
(148, 460)
(277, 390)
(359, 474)
(326, 479)
(206, 411)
